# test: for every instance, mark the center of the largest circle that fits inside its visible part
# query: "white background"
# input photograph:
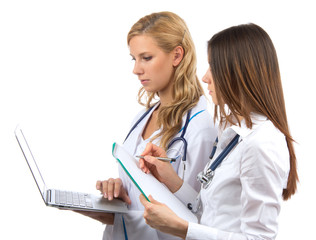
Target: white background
(66, 77)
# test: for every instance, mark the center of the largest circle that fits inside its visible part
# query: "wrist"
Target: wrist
(181, 228)
(175, 185)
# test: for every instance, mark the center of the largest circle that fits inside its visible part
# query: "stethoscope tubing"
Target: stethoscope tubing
(183, 130)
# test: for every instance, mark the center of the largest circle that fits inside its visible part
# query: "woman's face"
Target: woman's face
(153, 66)
(207, 78)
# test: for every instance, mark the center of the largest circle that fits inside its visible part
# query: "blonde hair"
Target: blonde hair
(170, 31)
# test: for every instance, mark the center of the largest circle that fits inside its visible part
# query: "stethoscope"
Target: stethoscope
(176, 139)
(172, 142)
(205, 177)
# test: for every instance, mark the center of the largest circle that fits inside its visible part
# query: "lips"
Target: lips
(144, 81)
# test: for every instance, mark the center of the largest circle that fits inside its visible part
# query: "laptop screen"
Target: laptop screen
(31, 162)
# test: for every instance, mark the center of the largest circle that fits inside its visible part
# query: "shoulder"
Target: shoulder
(266, 147)
(143, 112)
(265, 134)
(201, 118)
(138, 115)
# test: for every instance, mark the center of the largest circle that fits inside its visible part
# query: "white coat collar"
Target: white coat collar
(243, 131)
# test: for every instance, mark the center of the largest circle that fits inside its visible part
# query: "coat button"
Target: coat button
(189, 206)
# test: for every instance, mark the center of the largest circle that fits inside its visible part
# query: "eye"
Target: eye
(147, 58)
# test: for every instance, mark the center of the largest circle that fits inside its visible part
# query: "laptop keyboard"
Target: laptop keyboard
(74, 199)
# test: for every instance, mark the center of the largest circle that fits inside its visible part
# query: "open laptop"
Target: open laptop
(66, 199)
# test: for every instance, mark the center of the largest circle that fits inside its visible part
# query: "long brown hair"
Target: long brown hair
(170, 31)
(246, 76)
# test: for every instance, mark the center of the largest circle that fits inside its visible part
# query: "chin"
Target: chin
(150, 90)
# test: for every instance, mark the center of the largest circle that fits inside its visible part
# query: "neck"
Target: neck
(166, 96)
(165, 100)
(240, 118)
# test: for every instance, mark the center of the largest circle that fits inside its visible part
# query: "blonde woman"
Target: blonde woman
(175, 117)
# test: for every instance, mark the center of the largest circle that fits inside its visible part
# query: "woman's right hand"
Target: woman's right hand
(113, 188)
(162, 170)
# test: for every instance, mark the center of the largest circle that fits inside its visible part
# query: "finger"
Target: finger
(153, 201)
(153, 150)
(143, 200)
(102, 186)
(148, 149)
(117, 187)
(151, 198)
(149, 161)
(98, 185)
(143, 166)
(125, 197)
(110, 188)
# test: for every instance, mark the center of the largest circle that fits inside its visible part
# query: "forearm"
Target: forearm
(179, 228)
(105, 218)
(175, 184)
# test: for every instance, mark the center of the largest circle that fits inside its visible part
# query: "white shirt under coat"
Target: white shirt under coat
(243, 200)
(200, 136)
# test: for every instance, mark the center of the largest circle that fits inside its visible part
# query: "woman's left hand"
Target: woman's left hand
(162, 218)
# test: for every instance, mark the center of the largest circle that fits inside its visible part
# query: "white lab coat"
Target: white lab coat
(243, 200)
(200, 135)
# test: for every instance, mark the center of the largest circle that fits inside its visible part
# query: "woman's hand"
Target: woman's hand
(159, 216)
(113, 188)
(162, 170)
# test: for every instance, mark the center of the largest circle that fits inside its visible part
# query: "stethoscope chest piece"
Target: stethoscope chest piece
(205, 178)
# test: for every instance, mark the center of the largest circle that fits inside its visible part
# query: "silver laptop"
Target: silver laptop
(66, 199)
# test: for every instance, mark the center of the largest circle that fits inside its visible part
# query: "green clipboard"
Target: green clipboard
(147, 184)
(127, 172)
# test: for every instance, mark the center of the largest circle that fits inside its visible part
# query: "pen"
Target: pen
(161, 158)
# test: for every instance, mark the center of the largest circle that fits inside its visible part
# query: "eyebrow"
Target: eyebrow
(141, 54)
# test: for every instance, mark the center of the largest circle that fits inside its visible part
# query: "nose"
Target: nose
(206, 78)
(137, 70)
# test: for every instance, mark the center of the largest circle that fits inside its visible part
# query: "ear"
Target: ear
(178, 55)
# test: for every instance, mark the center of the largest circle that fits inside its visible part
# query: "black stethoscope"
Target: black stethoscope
(176, 139)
